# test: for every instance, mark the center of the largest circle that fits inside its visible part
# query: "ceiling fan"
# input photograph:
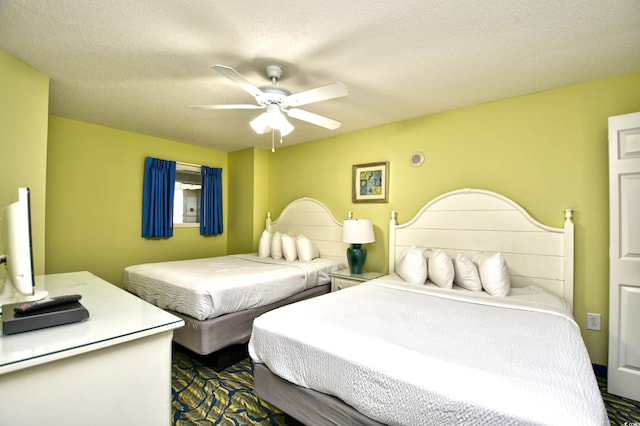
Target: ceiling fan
(277, 99)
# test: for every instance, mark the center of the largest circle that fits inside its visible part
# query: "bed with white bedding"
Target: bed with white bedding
(393, 352)
(219, 297)
(210, 287)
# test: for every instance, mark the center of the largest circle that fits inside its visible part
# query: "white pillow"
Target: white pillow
(494, 274)
(466, 273)
(307, 250)
(264, 246)
(441, 270)
(289, 248)
(412, 266)
(276, 246)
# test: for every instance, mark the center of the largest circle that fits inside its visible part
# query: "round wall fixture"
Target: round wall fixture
(416, 159)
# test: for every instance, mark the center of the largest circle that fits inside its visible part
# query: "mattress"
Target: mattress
(403, 355)
(210, 287)
(205, 337)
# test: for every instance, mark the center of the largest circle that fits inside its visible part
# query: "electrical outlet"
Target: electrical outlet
(593, 321)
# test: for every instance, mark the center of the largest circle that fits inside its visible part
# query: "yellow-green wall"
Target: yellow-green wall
(24, 109)
(248, 199)
(241, 175)
(547, 151)
(94, 200)
(261, 161)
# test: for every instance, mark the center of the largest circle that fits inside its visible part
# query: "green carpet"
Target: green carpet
(202, 396)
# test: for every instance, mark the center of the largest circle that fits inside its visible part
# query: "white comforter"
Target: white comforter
(210, 287)
(402, 354)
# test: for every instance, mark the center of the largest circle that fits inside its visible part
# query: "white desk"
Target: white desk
(112, 369)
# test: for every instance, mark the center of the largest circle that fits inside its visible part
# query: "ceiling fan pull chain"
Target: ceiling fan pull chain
(273, 148)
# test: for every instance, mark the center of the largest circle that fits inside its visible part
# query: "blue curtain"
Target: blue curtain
(157, 211)
(211, 201)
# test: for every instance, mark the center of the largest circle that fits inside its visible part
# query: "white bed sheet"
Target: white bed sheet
(406, 354)
(210, 287)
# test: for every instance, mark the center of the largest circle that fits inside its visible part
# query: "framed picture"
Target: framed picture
(370, 183)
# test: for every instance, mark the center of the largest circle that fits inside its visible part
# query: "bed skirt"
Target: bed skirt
(305, 405)
(208, 336)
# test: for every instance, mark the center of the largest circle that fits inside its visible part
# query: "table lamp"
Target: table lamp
(357, 232)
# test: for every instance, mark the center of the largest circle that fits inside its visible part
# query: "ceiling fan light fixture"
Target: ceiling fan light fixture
(274, 114)
(260, 124)
(284, 126)
(273, 119)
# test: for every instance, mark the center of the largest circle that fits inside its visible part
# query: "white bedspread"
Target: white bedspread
(404, 356)
(210, 287)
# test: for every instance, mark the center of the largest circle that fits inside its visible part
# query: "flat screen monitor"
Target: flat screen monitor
(19, 284)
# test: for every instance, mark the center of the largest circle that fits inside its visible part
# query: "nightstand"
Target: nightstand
(344, 278)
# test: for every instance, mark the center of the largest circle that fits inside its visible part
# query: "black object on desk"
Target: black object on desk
(14, 322)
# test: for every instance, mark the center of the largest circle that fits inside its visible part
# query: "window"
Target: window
(186, 201)
(181, 195)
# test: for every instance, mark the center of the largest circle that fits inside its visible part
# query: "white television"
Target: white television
(19, 283)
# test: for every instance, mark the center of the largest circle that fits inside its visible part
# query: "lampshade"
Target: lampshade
(260, 124)
(272, 119)
(284, 126)
(357, 231)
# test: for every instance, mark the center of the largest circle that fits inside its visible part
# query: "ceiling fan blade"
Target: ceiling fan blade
(230, 106)
(322, 93)
(312, 118)
(234, 76)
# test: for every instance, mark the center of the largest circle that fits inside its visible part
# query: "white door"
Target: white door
(624, 256)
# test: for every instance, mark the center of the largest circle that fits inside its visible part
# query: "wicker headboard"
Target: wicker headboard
(311, 218)
(474, 220)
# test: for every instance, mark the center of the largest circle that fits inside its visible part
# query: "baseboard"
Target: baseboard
(600, 370)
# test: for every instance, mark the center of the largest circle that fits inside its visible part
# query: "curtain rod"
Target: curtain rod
(188, 167)
(181, 163)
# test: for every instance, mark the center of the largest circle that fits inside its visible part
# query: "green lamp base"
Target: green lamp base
(356, 256)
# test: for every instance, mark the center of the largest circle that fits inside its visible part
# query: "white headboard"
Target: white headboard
(474, 220)
(311, 218)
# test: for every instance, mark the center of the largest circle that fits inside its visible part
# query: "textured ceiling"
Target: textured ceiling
(138, 65)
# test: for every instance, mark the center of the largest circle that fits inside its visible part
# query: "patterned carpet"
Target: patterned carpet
(202, 396)
(622, 411)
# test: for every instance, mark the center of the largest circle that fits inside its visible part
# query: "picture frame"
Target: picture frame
(370, 182)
